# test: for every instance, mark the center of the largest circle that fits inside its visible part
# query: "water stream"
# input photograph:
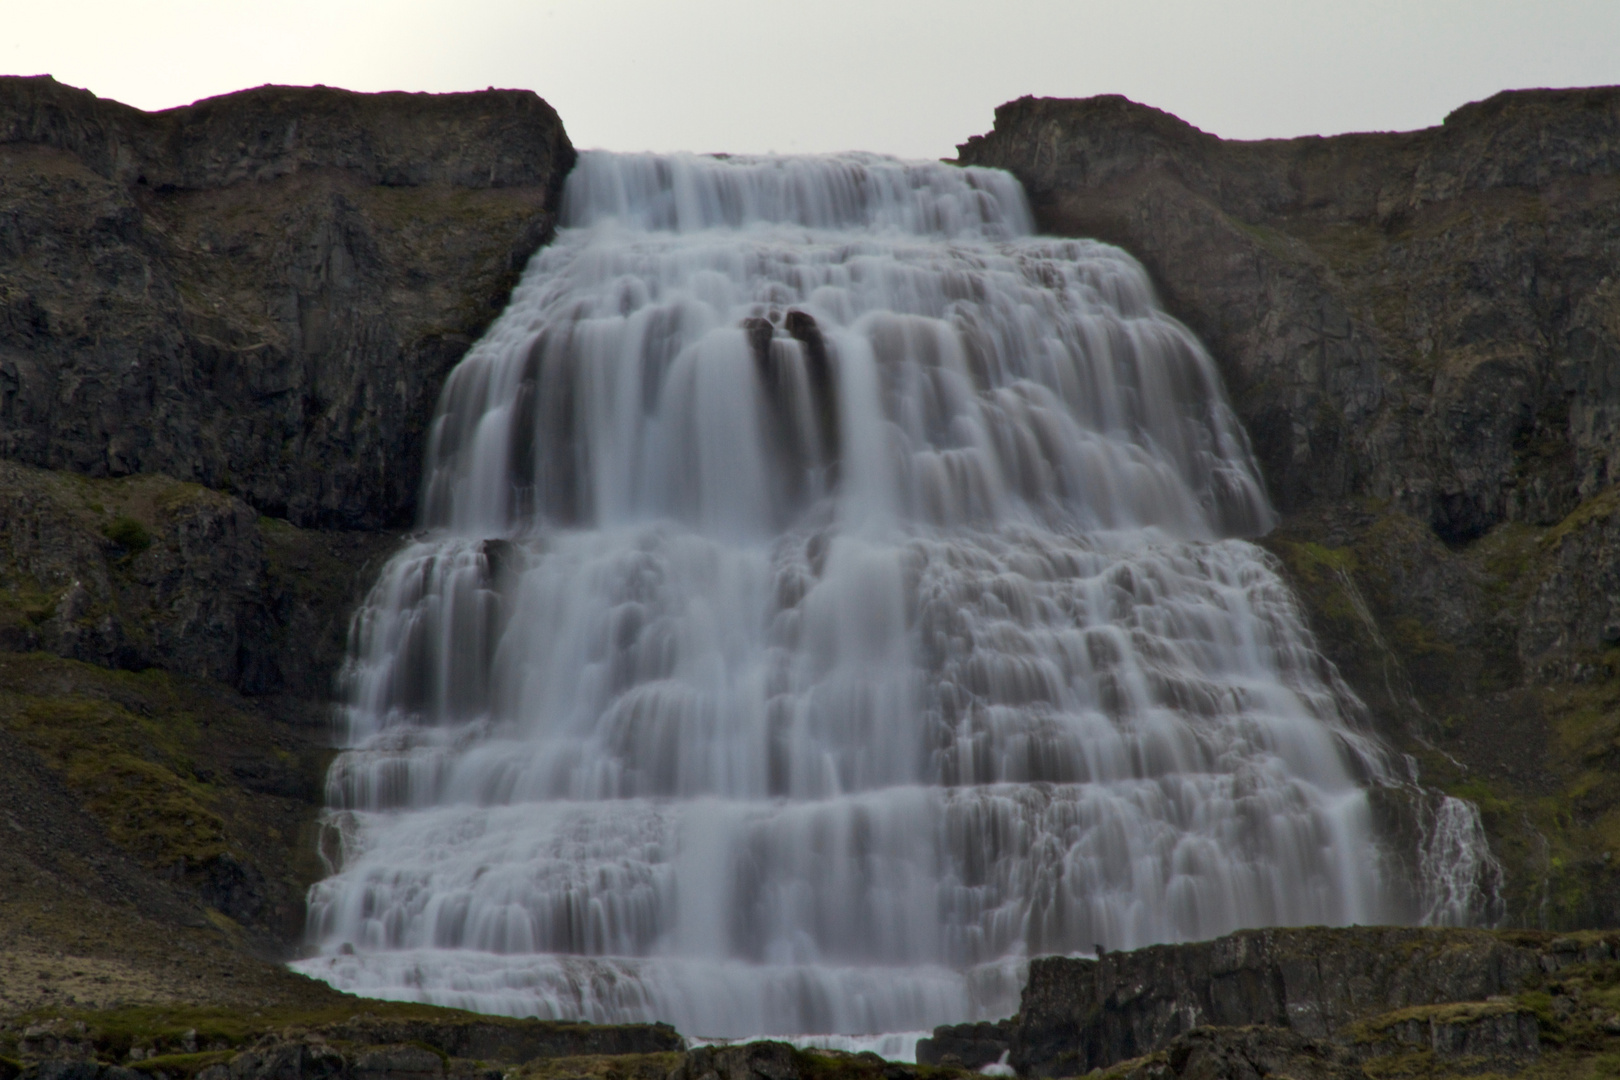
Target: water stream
(827, 596)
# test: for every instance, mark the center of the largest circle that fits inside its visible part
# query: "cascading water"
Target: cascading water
(828, 596)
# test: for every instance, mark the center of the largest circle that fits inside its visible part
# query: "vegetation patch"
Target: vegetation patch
(598, 1067)
(180, 1065)
(133, 772)
(128, 533)
(838, 1065)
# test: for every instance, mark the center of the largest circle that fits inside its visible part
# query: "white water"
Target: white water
(829, 596)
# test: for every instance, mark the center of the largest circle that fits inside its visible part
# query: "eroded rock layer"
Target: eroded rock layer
(260, 292)
(1353, 1002)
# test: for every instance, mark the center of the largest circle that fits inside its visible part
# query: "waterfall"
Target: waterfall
(827, 596)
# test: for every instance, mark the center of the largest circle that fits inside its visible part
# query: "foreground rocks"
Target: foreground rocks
(404, 1043)
(385, 1042)
(1313, 1002)
(262, 292)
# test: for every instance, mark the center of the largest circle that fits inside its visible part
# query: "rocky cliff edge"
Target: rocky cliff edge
(223, 329)
(262, 292)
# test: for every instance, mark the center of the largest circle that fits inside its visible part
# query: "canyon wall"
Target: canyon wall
(223, 329)
(260, 293)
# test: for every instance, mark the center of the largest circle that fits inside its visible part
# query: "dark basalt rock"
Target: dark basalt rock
(512, 1043)
(261, 292)
(1341, 996)
(1427, 317)
(967, 1046)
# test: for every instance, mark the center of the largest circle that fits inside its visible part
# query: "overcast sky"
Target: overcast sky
(907, 77)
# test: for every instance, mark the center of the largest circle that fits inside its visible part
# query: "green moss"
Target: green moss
(128, 534)
(1415, 638)
(829, 1065)
(181, 1065)
(1324, 573)
(1596, 510)
(599, 1067)
(178, 496)
(36, 606)
(1455, 1012)
(1491, 803)
(132, 772)
(1275, 241)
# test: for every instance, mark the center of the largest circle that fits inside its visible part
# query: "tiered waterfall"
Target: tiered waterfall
(827, 596)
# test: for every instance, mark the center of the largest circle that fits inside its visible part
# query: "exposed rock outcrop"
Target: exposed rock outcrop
(1316, 1002)
(262, 292)
(968, 1046)
(437, 1044)
(433, 1044)
(149, 572)
(222, 327)
(1429, 317)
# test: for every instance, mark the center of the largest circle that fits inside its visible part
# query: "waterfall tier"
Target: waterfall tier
(828, 596)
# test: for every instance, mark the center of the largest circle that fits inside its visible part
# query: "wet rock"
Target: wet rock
(967, 1046)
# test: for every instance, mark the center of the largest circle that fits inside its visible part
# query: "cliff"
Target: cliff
(1425, 317)
(260, 293)
(1421, 332)
(223, 329)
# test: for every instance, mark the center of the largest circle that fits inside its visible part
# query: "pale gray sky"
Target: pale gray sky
(907, 77)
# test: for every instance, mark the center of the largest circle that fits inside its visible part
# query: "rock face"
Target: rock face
(1428, 317)
(260, 293)
(1076, 1015)
(148, 572)
(1421, 332)
(1337, 1003)
(364, 1047)
(223, 329)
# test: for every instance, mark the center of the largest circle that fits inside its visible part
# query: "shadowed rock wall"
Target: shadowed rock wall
(261, 292)
(1315, 1001)
(1430, 317)
(223, 329)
